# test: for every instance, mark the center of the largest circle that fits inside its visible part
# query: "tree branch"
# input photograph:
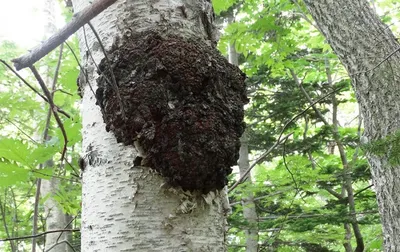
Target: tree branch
(50, 44)
(280, 139)
(40, 234)
(32, 88)
(52, 107)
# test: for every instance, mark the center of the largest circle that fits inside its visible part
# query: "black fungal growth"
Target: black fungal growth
(184, 106)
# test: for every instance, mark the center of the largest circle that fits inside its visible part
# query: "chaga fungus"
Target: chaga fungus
(183, 104)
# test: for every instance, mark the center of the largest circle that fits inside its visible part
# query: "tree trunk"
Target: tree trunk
(127, 206)
(249, 208)
(55, 218)
(368, 50)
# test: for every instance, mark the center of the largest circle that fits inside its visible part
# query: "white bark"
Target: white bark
(249, 208)
(55, 218)
(126, 208)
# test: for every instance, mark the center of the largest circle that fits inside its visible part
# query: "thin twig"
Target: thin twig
(36, 214)
(113, 79)
(77, 61)
(40, 234)
(16, 126)
(300, 216)
(53, 108)
(53, 87)
(33, 89)
(259, 159)
(60, 242)
(66, 226)
(287, 167)
(280, 139)
(97, 68)
(83, 71)
(362, 190)
(3, 217)
(263, 197)
(62, 91)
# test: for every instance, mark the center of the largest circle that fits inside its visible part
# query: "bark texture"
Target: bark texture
(183, 107)
(368, 50)
(127, 207)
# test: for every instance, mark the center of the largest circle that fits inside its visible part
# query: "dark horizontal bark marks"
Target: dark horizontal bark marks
(183, 18)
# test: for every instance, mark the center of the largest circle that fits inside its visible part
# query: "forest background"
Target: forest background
(300, 95)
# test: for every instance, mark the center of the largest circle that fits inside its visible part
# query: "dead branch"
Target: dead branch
(40, 234)
(51, 43)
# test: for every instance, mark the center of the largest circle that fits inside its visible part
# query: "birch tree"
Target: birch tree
(249, 207)
(56, 219)
(170, 102)
(369, 51)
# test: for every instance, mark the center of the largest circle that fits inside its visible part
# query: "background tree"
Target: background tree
(23, 119)
(296, 77)
(368, 50)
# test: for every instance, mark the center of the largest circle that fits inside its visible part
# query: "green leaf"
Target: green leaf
(11, 174)
(14, 150)
(42, 153)
(222, 5)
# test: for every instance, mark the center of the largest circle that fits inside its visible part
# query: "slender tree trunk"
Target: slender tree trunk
(55, 218)
(127, 206)
(368, 50)
(347, 171)
(249, 208)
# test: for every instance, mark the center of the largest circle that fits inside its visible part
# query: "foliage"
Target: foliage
(23, 118)
(299, 189)
(389, 146)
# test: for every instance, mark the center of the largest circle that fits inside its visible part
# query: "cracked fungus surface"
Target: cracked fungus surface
(183, 104)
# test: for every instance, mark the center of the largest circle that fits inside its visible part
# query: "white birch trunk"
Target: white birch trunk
(249, 208)
(125, 208)
(55, 218)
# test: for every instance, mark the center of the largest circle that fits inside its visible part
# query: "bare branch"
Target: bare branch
(50, 44)
(280, 139)
(113, 79)
(40, 234)
(258, 160)
(60, 242)
(20, 130)
(52, 106)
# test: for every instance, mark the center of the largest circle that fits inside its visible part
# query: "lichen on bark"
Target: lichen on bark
(183, 104)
